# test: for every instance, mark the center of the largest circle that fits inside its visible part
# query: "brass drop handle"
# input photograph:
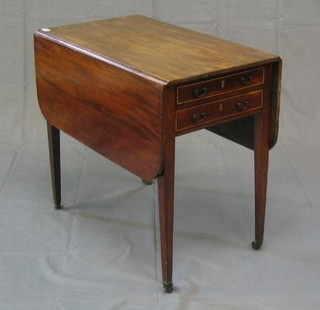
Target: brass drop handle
(200, 92)
(198, 117)
(246, 79)
(242, 105)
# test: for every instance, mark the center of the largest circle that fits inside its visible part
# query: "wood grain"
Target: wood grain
(114, 112)
(160, 50)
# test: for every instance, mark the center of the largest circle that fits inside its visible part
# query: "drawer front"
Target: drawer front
(219, 86)
(206, 114)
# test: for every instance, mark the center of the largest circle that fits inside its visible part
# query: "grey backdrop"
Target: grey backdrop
(102, 251)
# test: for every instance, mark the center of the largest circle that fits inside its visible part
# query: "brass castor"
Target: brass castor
(256, 245)
(168, 287)
(147, 182)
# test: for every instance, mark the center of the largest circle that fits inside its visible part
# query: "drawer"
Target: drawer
(219, 86)
(206, 114)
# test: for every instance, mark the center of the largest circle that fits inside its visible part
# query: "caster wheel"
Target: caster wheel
(168, 287)
(147, 182)
(256, 245)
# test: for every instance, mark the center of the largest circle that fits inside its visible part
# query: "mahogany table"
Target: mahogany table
(127, 87)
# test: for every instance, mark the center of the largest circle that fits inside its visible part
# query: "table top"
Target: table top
(156, 49)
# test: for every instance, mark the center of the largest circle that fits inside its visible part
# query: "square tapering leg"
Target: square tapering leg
(261, 159)
(54, 154)
(166, 210)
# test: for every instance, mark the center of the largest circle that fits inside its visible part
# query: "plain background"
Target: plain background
(102, 251)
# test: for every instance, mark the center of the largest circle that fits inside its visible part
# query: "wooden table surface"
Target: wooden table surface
(152, 48)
